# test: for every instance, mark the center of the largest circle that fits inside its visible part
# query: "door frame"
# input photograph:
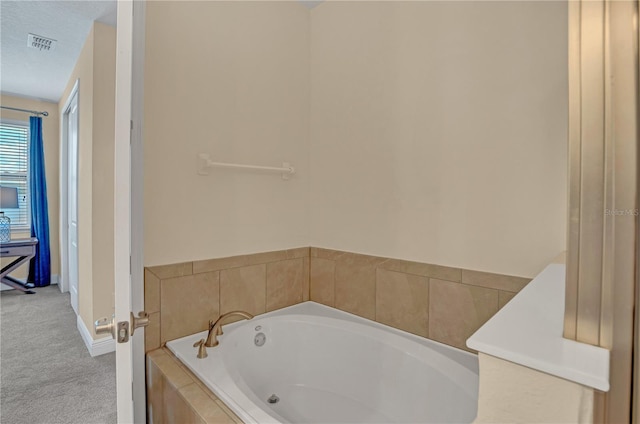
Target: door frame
(137, 205)
(64, 186)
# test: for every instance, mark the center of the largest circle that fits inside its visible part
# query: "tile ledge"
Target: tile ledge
(528, 331)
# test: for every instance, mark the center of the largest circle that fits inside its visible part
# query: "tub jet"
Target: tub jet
(273, 399)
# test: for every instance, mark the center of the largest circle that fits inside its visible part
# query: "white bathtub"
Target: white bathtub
(328, 366)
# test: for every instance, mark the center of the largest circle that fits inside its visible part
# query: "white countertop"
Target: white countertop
(528, 331)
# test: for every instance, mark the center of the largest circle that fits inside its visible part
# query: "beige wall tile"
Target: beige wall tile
(299, 252)
(173, 270)
(203, 406)
(402, 301)
(322, 281)
(285, 281)
(174, 394)
(243, 289)
(504, 298)
(357, 259)
(279, 255)
(219, 264)
(155, 389)
(494, 281)
(229, 412)
(167, 365)
(355, 286)
(457, 310)
(427, 270)
(305, 278)
(328, 253)
(152, 332)
(187, 304)
(177, 410)
(151, 292)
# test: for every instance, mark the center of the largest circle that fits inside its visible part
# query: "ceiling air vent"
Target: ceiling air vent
(41, 43)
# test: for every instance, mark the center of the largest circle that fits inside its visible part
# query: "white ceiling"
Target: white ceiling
(28, 72)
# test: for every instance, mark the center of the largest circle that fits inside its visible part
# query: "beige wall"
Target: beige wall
(50, 136)
(83, 71)
(229, 79)
(511, 393)
(438, 132)
(433, 131)
(95, 71)
(104, 77)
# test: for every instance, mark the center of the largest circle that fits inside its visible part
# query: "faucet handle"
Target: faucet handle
(202, 349)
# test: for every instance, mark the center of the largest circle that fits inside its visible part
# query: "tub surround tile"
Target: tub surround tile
(356, 259)
(155, 391)
(180, 410)
(494, 281)
(204, 409)
(174, 394)
(284, 283)
(173, 270)
(176, 376)
(280, 255)
(218, 264)
(306, 278)
(355, 285)
(152, 332)
(151, 292)
(425, 270)
(457, 310)
(402, 301)
(504, 298)
(322, 281)
(181, 298)
(188, 303)
(229, 412)
(243, 289)
(328, 253)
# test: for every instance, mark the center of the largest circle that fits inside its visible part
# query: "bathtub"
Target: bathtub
(309, 363)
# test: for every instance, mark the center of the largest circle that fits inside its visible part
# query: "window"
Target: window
(14, 166)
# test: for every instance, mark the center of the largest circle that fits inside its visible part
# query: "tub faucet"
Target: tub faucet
(215, 328)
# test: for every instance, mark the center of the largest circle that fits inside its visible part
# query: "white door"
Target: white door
(128, 293)
(72, 197)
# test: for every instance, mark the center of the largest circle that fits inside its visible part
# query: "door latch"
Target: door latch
(120, 331)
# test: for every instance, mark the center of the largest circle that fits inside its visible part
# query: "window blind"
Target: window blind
(14, 166)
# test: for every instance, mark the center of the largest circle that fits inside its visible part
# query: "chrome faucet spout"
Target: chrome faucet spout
(215, 328)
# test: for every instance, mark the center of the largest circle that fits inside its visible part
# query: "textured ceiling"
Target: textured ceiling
(25, 71)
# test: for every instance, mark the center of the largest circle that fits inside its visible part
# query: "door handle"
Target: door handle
(106, 326)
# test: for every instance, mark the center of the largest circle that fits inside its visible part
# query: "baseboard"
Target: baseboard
(95, 347)
(55, 279)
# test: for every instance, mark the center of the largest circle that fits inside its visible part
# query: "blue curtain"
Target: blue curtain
(40, 267)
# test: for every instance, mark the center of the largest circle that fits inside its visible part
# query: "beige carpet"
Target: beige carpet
(46, 372)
